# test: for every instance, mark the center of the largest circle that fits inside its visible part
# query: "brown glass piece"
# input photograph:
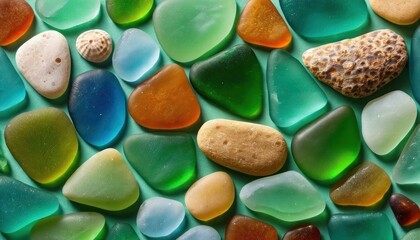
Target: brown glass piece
(246, 228)
(308, 232)
(405, 210)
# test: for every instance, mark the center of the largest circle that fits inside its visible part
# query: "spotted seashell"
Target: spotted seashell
(94, 45)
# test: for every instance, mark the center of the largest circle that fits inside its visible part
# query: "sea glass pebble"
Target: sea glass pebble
(328, 146)
(129, 12)
(307, 232)
(360, 226)
(261, 24)
(165, 101)
(4, 164)
(412, 235)
(294, 97)
(401, 12)
(136, 56)
(21, 204)
(360, 66)
(405, 210)
(44, 60)
(160, 218)
(246, 228)
(386, 121)
(122, 231)
(12, 90)
(407, 168)
(68, 14)
(210, 196)
(203, 28)
(364, 186)
(249, 148)
(16, 17)
(232, 79)
(166, 162)
(80, 225)
(44, 143)
(316, 19)
(200, 232)
(414, 64)
(97, 106)
(103, 181)
(287, 196)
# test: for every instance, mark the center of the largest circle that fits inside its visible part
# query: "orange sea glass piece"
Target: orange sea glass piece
(165, 101)
(246, 228)
(15, 17)
(261, 24)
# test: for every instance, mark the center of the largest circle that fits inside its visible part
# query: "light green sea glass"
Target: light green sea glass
(122, 231)
(407, 169)
(412, 235)
(294, 97)
(129, 12)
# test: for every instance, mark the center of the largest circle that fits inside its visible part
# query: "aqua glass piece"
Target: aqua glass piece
(324, 18)
(122, 231)
(21, 204)
(12, 89)
(414, 64)
(360, 226)
(97, 106)
(136, 56)
(412, 235)
(129, 12)
(294, 97)
(200, 232)
(407, 168)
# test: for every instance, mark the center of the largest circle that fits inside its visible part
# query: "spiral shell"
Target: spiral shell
(94, 45)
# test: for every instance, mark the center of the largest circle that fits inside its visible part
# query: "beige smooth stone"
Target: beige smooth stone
(249, 148)
(401, 12)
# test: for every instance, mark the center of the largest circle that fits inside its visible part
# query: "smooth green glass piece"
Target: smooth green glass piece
(21, 204)
(407, 169)
(360, 226)
(233, 79)
(74, 226)
(327, 146)
(412, 235)
(189, 30)
(122, 231)
(294, 97)
(165, 161)
(4, 165)
(414, 64)
(316, 19)
(129, 12)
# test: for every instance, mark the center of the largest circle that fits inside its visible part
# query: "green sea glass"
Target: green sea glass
(4, 165)
(233, 79)
(122, 231)
(21, 204)
(360, 226)
(165, 161)
(202, 28)
(327, 146)
(414, 64)
(129, 12)
(407, 169)
(294, 97)
(74, 226)
(412, 235)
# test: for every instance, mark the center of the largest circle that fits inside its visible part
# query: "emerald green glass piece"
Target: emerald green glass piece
(233, 79)
(122, 231)
(189, 30)
(360, 226)
(74, 226)
(407, 169)
(294, 97)
(4, 165)
(414, 64)
(412, 235)
(327, 146)
(129, 12)
(21, 204)
(324, 18)
(165, 161)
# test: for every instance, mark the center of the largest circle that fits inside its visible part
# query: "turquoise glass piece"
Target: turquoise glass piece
(200, 232)
(97, 106)
(122, 231)
(136, 56)
(294, 97)
(414, 64)
(360, 226)
(12, 90)
(407, 169)
(316, 19)
(21, 204)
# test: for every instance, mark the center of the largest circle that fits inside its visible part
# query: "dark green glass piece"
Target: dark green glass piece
(122, 231)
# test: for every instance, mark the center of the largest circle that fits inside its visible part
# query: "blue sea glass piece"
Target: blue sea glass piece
(21, 204)
(97, 106)
(12, 90)
(200, 232)
(136, 56)
(414, 64)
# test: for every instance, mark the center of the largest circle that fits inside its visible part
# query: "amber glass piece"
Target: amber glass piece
(165, 101)
(405, 210)
(308, 232)
(261, 24)
(246, 228)
(15, 17)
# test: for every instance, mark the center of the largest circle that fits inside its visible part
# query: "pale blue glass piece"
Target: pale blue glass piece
(200, 232)
(136, 56)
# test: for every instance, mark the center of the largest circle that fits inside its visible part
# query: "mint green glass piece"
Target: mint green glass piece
(190, 30)
(327, 146)
(129, 12)
(407, 169)
(21, 204)
(412, 235)
(294, 97)
(122, 231)
(360, 226)
(74, 226)
(165, 161)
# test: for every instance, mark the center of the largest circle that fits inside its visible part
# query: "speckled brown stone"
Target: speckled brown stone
(358, 67)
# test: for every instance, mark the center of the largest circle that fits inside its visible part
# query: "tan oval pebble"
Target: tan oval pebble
(249, 148)
(401, 12)
(94, 45)
(210, 196)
